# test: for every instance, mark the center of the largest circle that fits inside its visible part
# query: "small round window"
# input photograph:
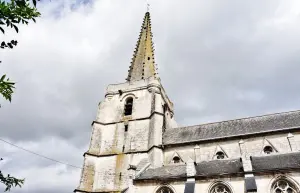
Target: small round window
(220, 155)
(176, 159)
(268, 150)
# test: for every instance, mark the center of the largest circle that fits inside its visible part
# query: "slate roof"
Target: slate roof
(206, 168)
(173, 171)
(219, 167)
(142, 164)
(276, 162)
(233, 128)
(225, 167)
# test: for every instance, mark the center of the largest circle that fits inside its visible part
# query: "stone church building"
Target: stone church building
(137, 147)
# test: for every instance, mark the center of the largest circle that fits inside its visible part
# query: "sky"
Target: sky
(217, 60)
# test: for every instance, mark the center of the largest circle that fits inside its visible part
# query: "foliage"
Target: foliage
(6, 87)
(12, 14)
(10, 181)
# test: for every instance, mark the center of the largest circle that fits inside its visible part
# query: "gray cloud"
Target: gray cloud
(230, 59)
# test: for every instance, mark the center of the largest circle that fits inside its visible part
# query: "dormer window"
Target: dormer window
(268, 150)
(220, 155)
(128, 106)
(176, 160)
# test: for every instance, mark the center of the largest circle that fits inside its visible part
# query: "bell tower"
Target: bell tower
(127, 131)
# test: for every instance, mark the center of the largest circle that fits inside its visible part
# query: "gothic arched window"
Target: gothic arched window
(164, 189)
(220, 188)
(128, 106)
(283, 185)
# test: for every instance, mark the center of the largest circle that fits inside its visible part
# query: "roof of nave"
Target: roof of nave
(219, 167)
(276, 162)
(205, 168)
(172, 171)
(233, 128)
(265, 163)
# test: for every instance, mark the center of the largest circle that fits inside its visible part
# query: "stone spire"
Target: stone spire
(143, 65)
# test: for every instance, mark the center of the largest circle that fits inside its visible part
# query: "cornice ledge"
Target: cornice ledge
(129, 152)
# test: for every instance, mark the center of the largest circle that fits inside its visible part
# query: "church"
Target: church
(137, 147)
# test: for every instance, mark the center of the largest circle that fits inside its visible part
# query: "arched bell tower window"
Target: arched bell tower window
(283, 185)
(268, 149)
(220, 188)
(164, 189)
(128, 106)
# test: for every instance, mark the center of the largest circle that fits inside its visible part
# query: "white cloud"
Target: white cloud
(40, 173)
(249, 95)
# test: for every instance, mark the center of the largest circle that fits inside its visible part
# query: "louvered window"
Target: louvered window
(128, 106)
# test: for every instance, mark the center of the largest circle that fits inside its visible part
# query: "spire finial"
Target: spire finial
(148, 5)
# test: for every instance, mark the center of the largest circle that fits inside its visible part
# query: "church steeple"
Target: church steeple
(143, 65)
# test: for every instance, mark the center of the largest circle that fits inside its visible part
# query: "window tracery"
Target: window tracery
(220, 188)
(283, 186)
(164, 189)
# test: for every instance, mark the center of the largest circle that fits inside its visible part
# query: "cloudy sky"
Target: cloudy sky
(217, 60)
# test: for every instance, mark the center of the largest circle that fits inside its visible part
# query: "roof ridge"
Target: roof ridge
(244, 118)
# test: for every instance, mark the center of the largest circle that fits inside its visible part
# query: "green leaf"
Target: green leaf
(14, 42)
(16, 28)
(20, 3)
(3, 44)
(10, 45)
(2, 78)
(14, 21)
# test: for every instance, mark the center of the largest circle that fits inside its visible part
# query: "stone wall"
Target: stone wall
(114, 149)
(111, 139)
(108, 173)
(235, 184)
(282, 143)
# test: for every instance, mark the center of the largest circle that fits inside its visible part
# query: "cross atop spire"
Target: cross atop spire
(148, 6)
(143, 64)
